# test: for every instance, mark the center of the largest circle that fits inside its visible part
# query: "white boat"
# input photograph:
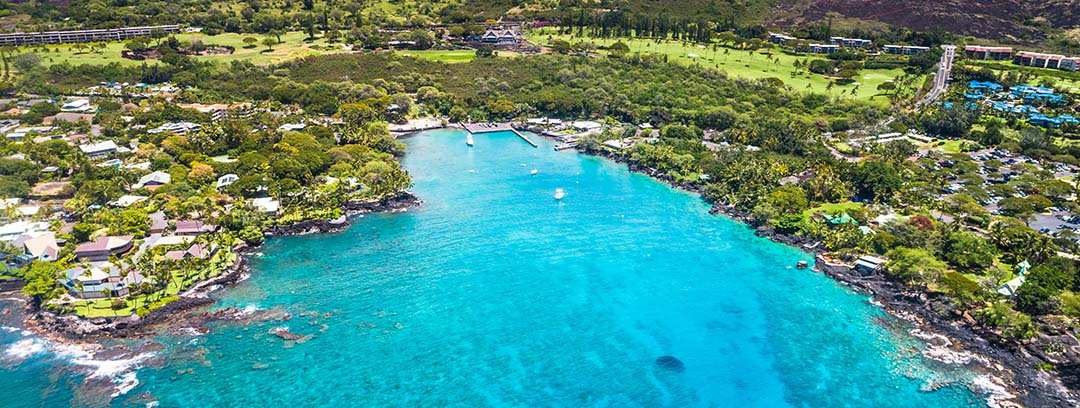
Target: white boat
(559, 194)
(468, 140)
(534, 171)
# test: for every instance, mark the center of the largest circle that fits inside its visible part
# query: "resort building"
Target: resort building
(501, 36)
(1041, 60)
(905, 49)
(103, 247)
(82, 36)
(850, 42)
(990, 53)
(777, 38)
(824, 48)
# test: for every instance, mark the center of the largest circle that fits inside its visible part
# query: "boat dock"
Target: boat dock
(489, 127)
(565, 146)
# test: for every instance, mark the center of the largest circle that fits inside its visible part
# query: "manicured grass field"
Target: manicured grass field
(452, 56)
(292, 46)
(741, 63)
(447, 56)
(833, 208)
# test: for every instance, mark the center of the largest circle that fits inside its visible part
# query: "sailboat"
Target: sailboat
(559, 194)
(468, 140)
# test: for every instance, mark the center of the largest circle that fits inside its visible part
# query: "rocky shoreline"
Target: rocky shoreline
(73, 329)
(950, 334)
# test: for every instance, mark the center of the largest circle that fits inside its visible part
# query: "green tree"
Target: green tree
(914, 265)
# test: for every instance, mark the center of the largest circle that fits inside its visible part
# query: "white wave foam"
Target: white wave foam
(997, 394)
(25, 348)
(125, 383)
(9, 329)
(112, 368)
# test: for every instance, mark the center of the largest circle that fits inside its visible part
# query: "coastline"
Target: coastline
(1011, 376)
(82, 332)
(948, 340)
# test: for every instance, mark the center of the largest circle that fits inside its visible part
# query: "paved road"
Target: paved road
(941, 80)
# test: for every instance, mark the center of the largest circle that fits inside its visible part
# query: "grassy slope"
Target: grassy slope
(293, 46)
(742, 64)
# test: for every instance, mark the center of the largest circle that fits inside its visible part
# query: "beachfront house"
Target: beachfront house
(586, 126)
(102, 248)
(153, 180)
(100, 281)
(99, 150)
(197, 251)
(867, 264)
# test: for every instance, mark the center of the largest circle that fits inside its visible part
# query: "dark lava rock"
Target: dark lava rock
(670, 363)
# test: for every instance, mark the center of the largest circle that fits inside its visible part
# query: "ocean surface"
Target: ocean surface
(493, 293)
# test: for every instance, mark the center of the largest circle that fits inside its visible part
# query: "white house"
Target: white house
(227, 180)
(76, 105)
(100, 149)
(154, 180)
(267, 205)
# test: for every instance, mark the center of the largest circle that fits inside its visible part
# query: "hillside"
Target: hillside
(1017, 20)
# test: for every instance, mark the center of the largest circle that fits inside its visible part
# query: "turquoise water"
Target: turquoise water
(495, 294)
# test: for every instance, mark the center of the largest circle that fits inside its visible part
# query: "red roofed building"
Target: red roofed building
(193, 228)
(991, 53)
(103, 247)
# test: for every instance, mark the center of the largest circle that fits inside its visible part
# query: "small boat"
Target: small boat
(534, 171)
(802, 264)
(559, 194)
(468, 140)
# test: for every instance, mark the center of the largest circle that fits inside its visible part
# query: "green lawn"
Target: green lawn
(833, 208)
(452, 56)
(447, 56)
(293, 46)
(950, 146)
(741, 63)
